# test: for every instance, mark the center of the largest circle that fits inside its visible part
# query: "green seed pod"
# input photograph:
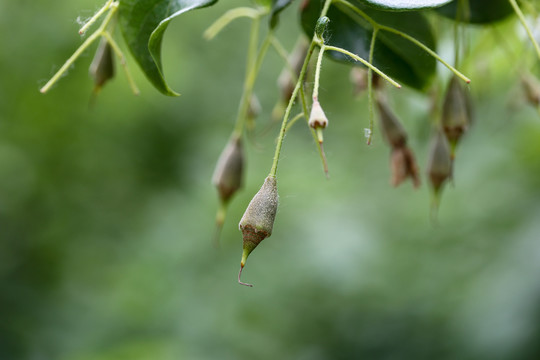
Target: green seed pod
(440, 162)
(321, 26)
(229, 170)
(456, 114)
(102, 66)
(391, 127)
(258, 220)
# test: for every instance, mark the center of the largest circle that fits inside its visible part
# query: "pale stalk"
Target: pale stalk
(229, 17)
(407, 37)
(96, 16)
(370, 87)
(366, 63)
(99, 32)
(521, 17)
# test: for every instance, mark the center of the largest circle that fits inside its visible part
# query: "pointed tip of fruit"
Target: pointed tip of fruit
(240, 276)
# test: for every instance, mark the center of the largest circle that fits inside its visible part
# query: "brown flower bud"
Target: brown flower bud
(102, 66)
(229, 170)
(440, 162)
(391, 127)
(258, 220)
(456, 114)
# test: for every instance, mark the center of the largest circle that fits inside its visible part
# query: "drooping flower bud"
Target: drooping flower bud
(102, 66)
(229, 171)
(440, 163)
(531, 88)
(457, 113)
(258, 220)
(318, 120)
(391, 127)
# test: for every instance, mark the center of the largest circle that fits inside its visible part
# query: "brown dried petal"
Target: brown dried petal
(403, 165)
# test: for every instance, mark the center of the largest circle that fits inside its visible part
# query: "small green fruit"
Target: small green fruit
(102, 66)
(258, 220)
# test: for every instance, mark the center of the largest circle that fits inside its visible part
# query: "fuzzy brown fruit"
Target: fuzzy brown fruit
(258, 220)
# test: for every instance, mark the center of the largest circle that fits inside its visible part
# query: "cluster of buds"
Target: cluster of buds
(455, 121)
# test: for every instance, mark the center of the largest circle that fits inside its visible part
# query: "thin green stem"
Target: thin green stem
(318, 73)
(281, 137)
(249, 77)
(521, 17)
(123, 62)
(250, 83)
(370, 88)
(96, 16)
(426, 49)
(402, 34)
(99, 32)
(229, 17)
(273, 170)
(293, 121)
(367, 63)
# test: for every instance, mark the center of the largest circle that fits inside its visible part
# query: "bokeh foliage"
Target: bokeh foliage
(106, 214)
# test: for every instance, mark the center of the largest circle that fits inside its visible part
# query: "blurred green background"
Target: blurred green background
(107, 214)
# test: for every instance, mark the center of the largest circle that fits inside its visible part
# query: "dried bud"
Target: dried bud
(102, 66)
(229, 170)
(531, 87)
(456, 114)
(391, 127)
(440, 162)
(403, 165)
(286, 81)
(258, 220)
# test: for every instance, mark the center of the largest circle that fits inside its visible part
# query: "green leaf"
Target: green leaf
(480, 11)
(143, 23)
(394, 55)
(277, 7)
(404, 5)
